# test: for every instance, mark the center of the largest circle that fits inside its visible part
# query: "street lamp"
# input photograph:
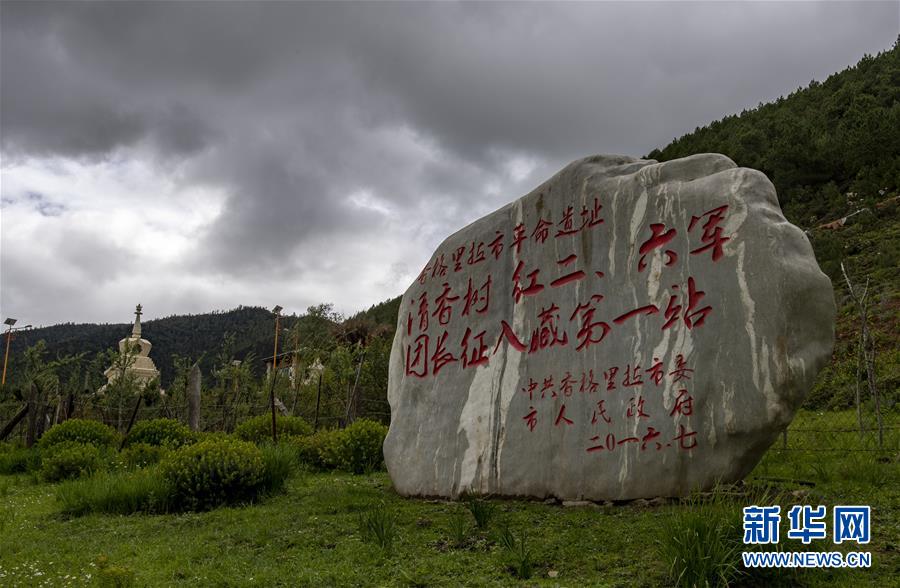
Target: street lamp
(9, 331)
(277, 311)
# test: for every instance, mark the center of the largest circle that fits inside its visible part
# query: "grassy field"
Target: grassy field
(311, 535)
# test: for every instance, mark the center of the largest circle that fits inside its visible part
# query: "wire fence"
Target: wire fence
(843, 431)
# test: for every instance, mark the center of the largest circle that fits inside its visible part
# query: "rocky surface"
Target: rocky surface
(628, 329)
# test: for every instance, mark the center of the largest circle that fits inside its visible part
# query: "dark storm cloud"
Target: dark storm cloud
(342, 121)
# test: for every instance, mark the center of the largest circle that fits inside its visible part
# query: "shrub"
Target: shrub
(70, 460)
(161, 433)
(214, 472)
(321, 450)
(141, 455)
(119, 493)
(18, 460)
(361, 446)
(79, 431)
(259, 429)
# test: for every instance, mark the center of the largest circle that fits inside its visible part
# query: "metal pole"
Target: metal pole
(318, 398)
(6, 355)
(274, 375)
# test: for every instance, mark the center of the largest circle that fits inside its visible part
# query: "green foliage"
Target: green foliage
(322, 450)
(279, 463)
(458, 529)
(70, 459)
(160, 433)
(80, 431)
(120, 493)
(482, 511)
(259, 429)
(701, 542)
(214, 472)
(378, 526)
(18, 460)
(111, 576)
(361, 446)
(519, 558)
(141, 455)
(818, 143)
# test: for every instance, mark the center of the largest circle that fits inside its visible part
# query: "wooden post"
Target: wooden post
(8, 428)
(137, 406)
(318, 399)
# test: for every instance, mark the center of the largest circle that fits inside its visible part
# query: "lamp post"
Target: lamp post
(277, 312)
(9, 331)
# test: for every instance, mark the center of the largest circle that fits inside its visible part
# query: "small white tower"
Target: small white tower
(143, 367)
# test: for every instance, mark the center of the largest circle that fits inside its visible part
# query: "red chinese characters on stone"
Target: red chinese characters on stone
(601, 413)
(712, 232)
(476, 355)
(692, 316)
(684, 404)
(571, 276)
(417, 359)
(476, 253)
(636, 408)
(686, 440)
(444, 302)
(660, 236)
(681, 371)
(533, 286)
(591, 216)
(567, 225)
(497, 245)
(440, 268)
(530, 419)
(547, 333)
(561, 417)
(542, 230)
(441, 356)
(518, 237)
(478, 299)
(591, 332)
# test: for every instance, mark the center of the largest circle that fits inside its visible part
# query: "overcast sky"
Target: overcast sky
(199, 156)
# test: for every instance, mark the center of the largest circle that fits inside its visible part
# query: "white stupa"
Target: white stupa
(142, 367)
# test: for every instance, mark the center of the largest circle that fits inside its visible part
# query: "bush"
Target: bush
(161, 433)
(361, 446)
(120, 493)
(18, 460)
(259, 429)
(80, 431)
(70, 460)
(321, 450)
(214, 472)
(141, 455)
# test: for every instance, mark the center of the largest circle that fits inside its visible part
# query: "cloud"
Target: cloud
(204, 155)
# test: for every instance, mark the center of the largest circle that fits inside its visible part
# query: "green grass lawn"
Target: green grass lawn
(310, 535)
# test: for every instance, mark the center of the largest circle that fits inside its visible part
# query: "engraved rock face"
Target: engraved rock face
(628, 329)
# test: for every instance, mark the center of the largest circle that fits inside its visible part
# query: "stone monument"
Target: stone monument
(628, 329)
(142, 367)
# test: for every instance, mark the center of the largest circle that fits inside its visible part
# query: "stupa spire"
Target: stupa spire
(136, 331)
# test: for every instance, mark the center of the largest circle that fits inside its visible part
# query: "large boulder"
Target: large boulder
(628, 329)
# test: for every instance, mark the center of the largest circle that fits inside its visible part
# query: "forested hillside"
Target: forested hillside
(832, 150)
